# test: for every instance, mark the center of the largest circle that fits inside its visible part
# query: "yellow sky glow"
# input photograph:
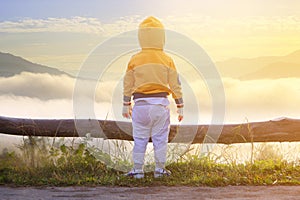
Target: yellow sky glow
(223, 30)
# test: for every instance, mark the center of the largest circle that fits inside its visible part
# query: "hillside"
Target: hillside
(11, 65)
(261, 67)
(275, 71)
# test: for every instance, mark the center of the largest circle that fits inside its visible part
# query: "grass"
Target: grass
(66, 165)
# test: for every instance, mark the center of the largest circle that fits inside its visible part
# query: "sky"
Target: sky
(63, 33)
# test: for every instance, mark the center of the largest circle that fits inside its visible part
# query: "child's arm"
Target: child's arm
(128, 84)
(175, 86)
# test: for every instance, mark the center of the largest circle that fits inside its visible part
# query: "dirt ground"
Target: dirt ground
(147, 193)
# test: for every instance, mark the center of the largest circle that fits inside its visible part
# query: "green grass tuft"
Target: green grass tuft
(76, 165)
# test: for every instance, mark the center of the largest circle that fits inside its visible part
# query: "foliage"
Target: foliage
(63, 165)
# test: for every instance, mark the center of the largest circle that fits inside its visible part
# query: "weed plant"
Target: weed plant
(62, 164)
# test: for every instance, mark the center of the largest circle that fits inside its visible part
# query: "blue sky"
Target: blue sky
(60, 33)
(104, 10)
(107, 10)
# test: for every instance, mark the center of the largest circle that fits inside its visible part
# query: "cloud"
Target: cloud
(263, 25)
(47, 87)
(255, 100)
(32, 95)
(262, 99)
(221, 37)
(41, 86)
(27, 107)
(190, 24)
(44, 95)
(230, 37)
(75, 25)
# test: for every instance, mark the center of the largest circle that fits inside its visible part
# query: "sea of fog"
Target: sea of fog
(29, 95)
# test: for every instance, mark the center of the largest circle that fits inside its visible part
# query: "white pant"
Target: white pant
(150, 121)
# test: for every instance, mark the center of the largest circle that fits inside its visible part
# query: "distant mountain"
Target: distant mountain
(275, 71)
(262, 67)
(11, 65)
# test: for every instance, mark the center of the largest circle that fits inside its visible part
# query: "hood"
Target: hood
(151, 34)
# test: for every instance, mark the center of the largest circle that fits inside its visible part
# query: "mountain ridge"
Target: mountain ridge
(11, 65)
(275, 70)
(240, 68)
(264, 67)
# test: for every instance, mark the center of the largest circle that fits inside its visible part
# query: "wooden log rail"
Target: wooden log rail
(281, 130)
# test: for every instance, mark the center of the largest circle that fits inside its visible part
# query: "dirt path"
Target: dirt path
(145, 193)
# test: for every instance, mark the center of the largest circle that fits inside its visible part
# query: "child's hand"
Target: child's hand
(180, 117)
(180, 113)
(126, 111)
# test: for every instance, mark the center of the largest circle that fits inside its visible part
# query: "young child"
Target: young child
(150, 77)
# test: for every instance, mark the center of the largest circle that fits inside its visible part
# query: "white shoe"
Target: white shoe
(136, 173)
(161, 172)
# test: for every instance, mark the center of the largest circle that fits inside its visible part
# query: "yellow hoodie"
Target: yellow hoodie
(151, 72)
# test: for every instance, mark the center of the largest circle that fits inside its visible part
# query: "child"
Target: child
(150, 77)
